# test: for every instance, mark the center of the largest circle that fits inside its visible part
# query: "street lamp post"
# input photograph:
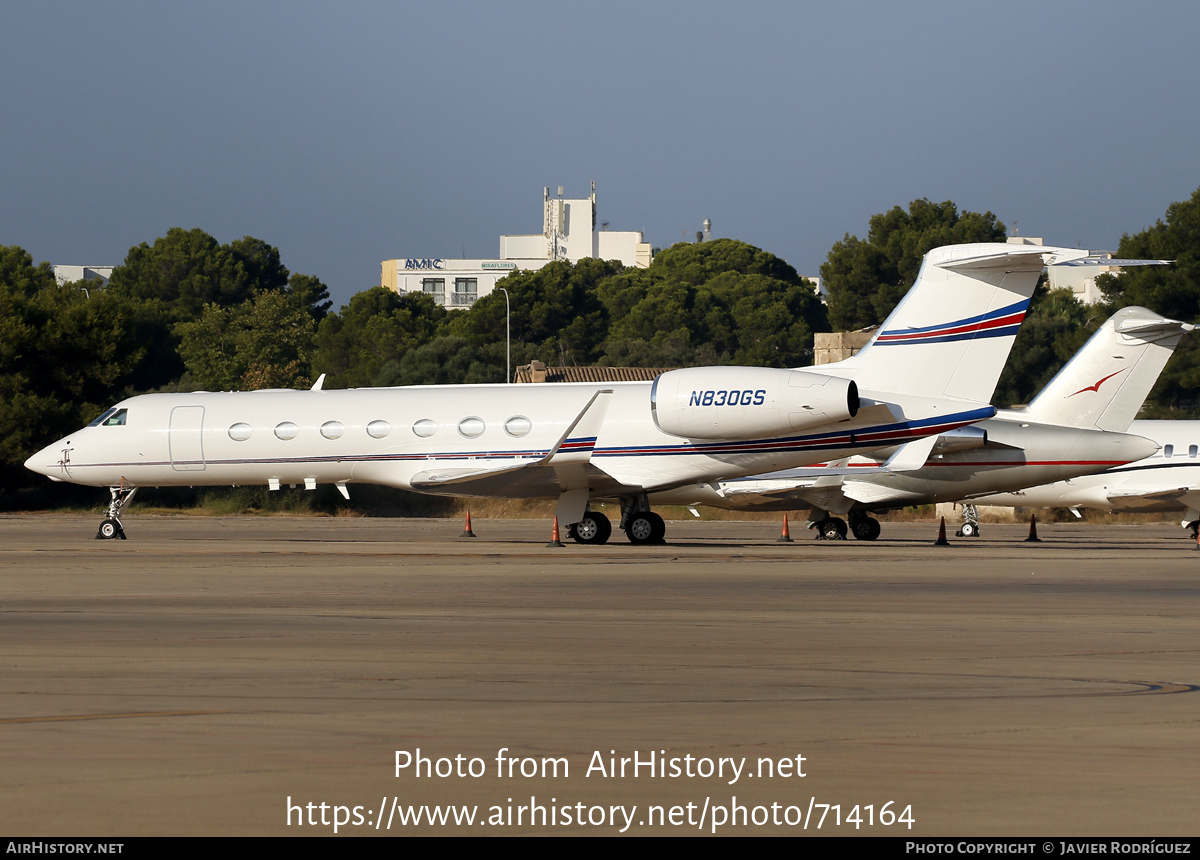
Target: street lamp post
(507, 337)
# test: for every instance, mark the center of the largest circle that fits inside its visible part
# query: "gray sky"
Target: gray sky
(353, 132)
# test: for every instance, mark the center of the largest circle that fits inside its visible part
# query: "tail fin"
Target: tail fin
(1105, 383)
(951, 334)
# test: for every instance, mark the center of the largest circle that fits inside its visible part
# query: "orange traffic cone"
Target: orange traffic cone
(554, 541)
(1033, 538)
(785, 537)
(941, 541)
(467, 528)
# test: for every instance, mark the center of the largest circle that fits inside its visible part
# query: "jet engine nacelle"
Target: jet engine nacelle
(748, 402)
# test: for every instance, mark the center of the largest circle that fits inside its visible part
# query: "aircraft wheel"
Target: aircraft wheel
(833, 528)
(593, 528)
(969, 530)
(1194, 527)
(109, 530)
(867, 528)
(639, 529)
(646, 528)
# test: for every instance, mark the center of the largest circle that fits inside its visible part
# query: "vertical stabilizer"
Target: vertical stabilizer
(951, 334)
(1104, 385)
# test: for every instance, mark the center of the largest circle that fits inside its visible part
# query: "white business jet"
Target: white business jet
(1076, 426)
(930, 370)
(1166, 482)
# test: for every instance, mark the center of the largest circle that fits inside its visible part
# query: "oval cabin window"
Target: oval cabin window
(286, 430)
(472, 427)
(425, 428)
(239, 432)
(378, 428)
(518, 425)
(332, 429)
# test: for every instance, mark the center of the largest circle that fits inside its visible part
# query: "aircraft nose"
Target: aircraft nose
(48, 461)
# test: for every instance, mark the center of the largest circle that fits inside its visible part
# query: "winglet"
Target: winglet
(579, 440)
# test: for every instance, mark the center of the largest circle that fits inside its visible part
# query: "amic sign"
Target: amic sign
(423, 264)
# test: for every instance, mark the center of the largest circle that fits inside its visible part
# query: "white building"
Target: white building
(67, 274)
(568, 233)
(1080, 280)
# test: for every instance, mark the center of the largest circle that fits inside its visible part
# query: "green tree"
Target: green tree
(720, 302)
(1055, 328)
(375, 328)
(64, 354)
(264, 343)
(556, 314)
(866, 279)
(1170, 290)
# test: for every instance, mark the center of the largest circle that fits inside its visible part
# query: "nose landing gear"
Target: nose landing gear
(110, 527)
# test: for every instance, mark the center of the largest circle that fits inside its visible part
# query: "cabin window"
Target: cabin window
(239, 432)
(471, 427)
(332, 429)
(1192, 451)
(1168, 450)
(286, 430)
(425, 428)
(378, 428)
(518, 426)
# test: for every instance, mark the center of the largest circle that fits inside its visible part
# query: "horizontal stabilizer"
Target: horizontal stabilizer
(1169, 495)
(870, 494)
(910, 457)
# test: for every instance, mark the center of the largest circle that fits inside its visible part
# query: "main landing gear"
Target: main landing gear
(970, 525)
(110, 526)
(641, 525)
(829, 527)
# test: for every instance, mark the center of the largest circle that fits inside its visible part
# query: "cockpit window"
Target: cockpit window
(101, 417)
(117, 419)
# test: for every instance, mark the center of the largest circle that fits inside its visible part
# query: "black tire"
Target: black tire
(593, 528)
(605, 527)
(833, 528)
(109, 530)
(867, 528)
(969, 530)
(645, 528)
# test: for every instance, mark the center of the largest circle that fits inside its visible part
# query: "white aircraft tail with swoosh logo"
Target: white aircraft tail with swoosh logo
(1105, 384)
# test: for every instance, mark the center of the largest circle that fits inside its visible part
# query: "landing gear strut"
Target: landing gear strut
(970, 526)
(110, 527)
